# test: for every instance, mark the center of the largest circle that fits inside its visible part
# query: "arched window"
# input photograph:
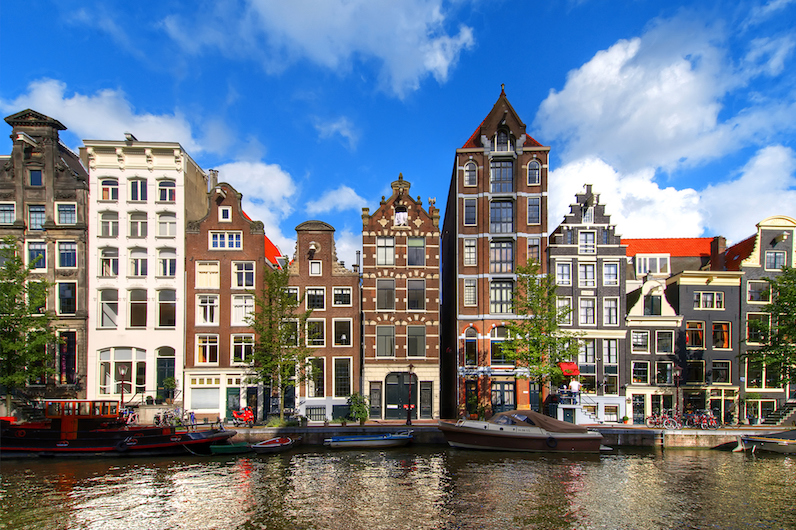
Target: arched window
(401, 216)
(167, 262)
(534, 173)
(109, 308)
(502, 143)
(167, 308)
(109, 224)
(167, 225)
(470, 174)
(497, 336)
(110, 190)
(470, 347)
(167, 191)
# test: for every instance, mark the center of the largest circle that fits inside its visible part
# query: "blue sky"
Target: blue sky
(680, 114)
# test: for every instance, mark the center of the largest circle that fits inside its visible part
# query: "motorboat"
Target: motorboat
(275, 445)
(370, 440)
(776, 442)
(96, 428)
(521, 430)
(230, 448)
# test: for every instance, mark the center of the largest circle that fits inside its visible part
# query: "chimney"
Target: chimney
(718, 253)
(213, 178)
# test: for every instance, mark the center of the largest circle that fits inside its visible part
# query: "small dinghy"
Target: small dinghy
(370, 440)
(275, 445)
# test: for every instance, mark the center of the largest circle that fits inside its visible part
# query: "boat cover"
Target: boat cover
(535, 419)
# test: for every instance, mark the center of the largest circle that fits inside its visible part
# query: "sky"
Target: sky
(681, 115)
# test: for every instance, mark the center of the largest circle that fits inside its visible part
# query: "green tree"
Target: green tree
(27, 337)
(535, 341)
(778, 350)
(280, 350)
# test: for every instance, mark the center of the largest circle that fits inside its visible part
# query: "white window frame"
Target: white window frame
(662, 332)
(107, 304)
(205, 309)
(584, 279)
(607, 313)
(701, 300)
(13, 213)
(350, 338)
(58, 254)
(376, 343)
(749, 291)
(470, 246)
(467, 168)
(163, 185)
(316, 267)
(167, 225)
(713, 334)
(534, 203)
(137, 225)
(212, 340)
(112, 263)
(242, 308)
(607, 280)
(58, 213)
(316, 342)
(561, 303)
(38, 266)
(208, 274)
(470, 298)
(245, 341)
(585, 246)
(167, 262)
(465, 205)
(244, 270)
(138, 184)
(643, 264)
(225, 240)
(423, 348)
(316, 291)
(782, 253)
(583, 311)
(138, 263)
(385, 251)
(160, 304)
(341, 290)
(110, 224)
(633, 372)
(639, 333)
(534, 167)
(111, 186)
(225, 214)
(562, 279)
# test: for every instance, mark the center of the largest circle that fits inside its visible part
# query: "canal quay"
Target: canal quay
(427, 432)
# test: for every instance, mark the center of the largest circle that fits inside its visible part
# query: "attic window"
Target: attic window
(502, 141)
(401, 216)
(588, 214)
(225, 214)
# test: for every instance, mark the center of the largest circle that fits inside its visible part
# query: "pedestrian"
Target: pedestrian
(574, 387)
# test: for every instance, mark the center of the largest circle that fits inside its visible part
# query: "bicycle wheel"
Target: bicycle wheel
(669, 423)
(651, 422)
(713, 424)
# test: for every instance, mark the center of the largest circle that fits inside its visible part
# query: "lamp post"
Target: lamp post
(122, 373)
(409, 400)
(678, 373)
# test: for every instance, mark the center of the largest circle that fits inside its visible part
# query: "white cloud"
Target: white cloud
(761, 13)
(341, 126)
(766, 186)
(347, 244)
(408, 39)
(637, 205)
(268, 194)
(340, 199)
(105, 115)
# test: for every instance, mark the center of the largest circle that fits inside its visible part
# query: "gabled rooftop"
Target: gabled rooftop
(675, 247)
(501, 108)
(737, 253)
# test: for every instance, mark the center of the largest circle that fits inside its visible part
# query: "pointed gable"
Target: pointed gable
(502, 113)
(31, 118)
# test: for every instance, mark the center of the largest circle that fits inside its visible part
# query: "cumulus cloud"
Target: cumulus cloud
(638, 206)
(268, 195)
(408, 39)
(105, 115)
(340, 199)
(347, 244)
(766, 186)
(342, 126)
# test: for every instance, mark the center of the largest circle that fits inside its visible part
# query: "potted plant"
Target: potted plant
(358, 407)
(169, 384)
(625, 420)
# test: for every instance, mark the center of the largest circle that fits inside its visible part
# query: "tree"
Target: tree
(280, 349)
(535, 340)
(778, 350)
(27, 337)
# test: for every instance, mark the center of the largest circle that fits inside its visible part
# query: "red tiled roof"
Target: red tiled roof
(675, 246)
(271, 251)
(529, 141)
(739, 252)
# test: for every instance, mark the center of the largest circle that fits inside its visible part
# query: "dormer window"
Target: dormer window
(653, 264)
(502, 140)
(225, 214)
(401, 216)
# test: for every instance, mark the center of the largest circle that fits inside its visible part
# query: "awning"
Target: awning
(569, 368)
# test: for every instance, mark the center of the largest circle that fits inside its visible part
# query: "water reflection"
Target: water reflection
(419, 488)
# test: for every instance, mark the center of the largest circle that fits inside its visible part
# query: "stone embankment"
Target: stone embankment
(428, 433)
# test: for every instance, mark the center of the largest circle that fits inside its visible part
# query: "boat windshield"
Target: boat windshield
(513, 419)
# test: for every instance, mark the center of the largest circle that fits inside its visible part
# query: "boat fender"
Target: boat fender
(20, 433)
(122, 446)
(551, 442)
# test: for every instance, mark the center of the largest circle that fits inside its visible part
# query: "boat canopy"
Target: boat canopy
(535, 419)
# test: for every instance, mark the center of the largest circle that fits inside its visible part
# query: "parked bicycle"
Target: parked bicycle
(702, 419)
(129, 416)
(664, 420)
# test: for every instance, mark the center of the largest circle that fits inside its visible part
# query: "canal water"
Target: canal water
(420, 487)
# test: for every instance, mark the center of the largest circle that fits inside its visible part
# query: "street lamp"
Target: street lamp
(678, 373)
(409, 400)
(122, 369)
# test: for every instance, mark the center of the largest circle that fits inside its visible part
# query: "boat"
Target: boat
(370, 440)
(275, 445)
(521, 430)
(230, 448)
(776, 442)
(75, 427)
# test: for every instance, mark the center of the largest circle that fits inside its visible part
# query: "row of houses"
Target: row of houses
(155, 268)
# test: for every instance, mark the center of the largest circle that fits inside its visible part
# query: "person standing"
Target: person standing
(574, 388)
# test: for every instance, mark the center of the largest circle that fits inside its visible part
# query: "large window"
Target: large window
(564, 311)
(759, 291)
(315, 377)
(470, 174)
(610, 274)
(721, 335)
(757, 326)
(67, 298)
(8, 213)
(775, 259)
(587, 311)
(534, 249)
(470, 347)
(502, 140)
(385, 251)
(109, 308)
(416, 251)
(385, 294)
(226, 240)
(652, 304)
(167, 308)
(502, 176)
(242, 348)
(664, 342)
(138, 190)
(534, 210)
(67, 213)
(342, 332)
(501, 256)
(534, 173)
(501, 217)
(640, 341)
(37, 254)
(721, 372)
(611, 366)
(664, 373)
(109, 190)
(316, 298)
(242, 308)
(138, 305)
(207, 310)
(342, 377)
(167, 262)
(67, 254)
(641, 372)
(695, 334)
(586, 242)
(652, 264)
(695, 372)
(563, 273)
(242, 274)
(316, 333)
(167, 191)
(342, 296)
(586, 277)
(496, 352)
(109, 262)
(133, 360)
(470, 292)
(610, 311)
(415, 295)
(470, 255)
(470, 217)
(36, 217)
(709, 300)
(167, 225)
(500, 296)
(138, 263)
(208, 274)
(138, 225)
(207, 349)
(109, 224)
(385, 341)
(415, 341)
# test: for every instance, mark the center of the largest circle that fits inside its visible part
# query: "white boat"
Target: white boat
(370, 440)
(522, 430)
(775, 442)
